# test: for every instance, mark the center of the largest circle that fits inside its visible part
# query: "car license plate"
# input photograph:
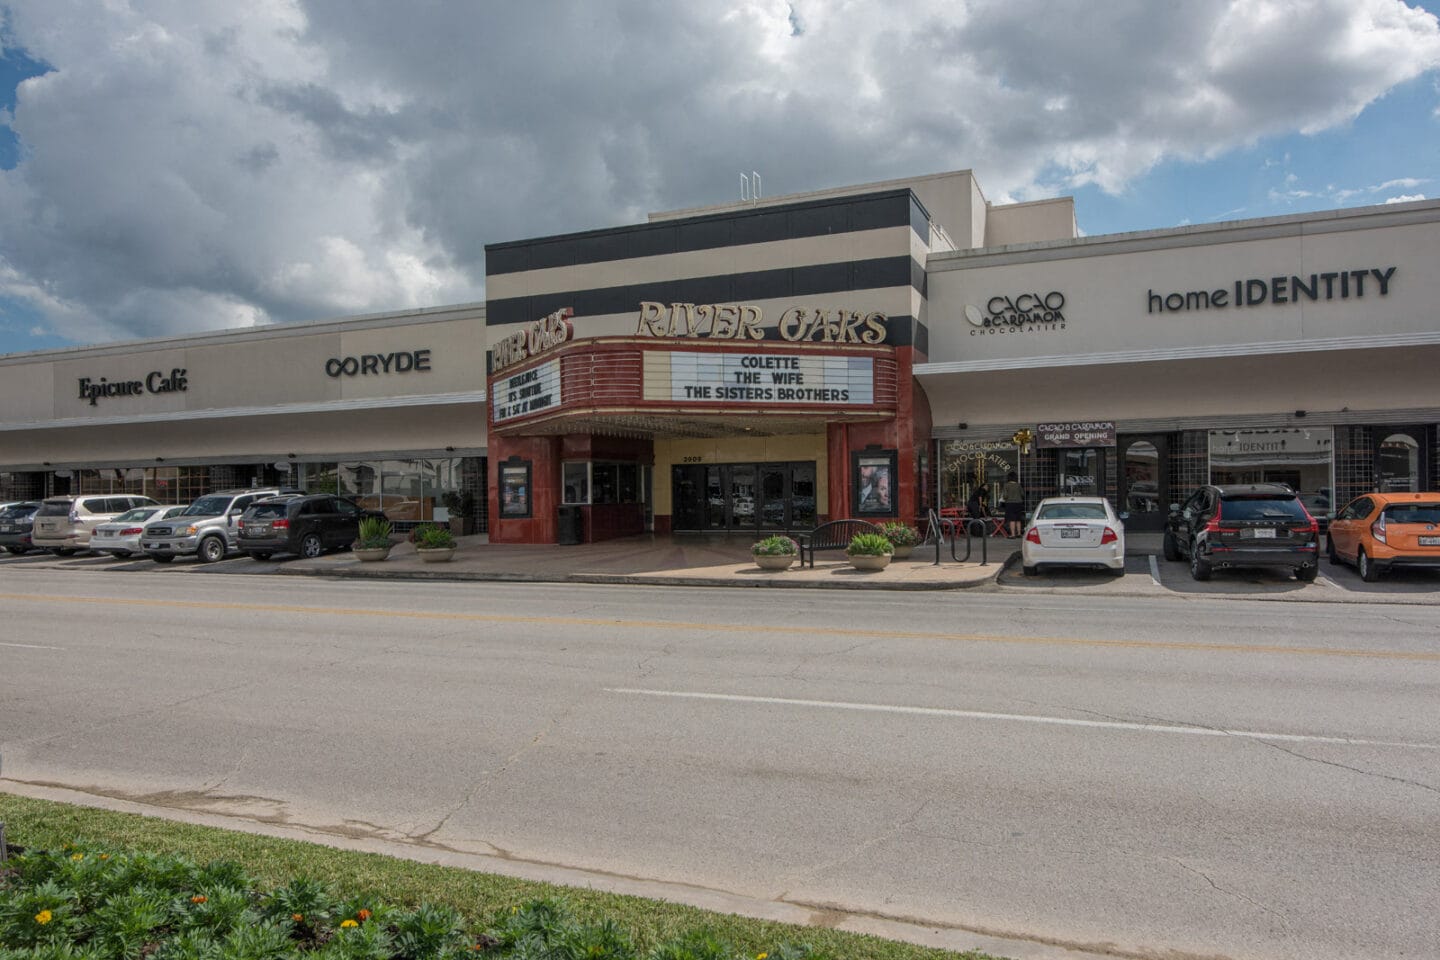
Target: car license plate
(1264, 533)
(1069, 534)
(1430, 541)
(7, 529)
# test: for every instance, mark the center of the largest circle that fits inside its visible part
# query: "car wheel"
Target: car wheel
(1031, 569)
(1199, 569)
(1330, 551)
(1172, 549)
(1366, 567)
(63, 551)
(260, 556)
(1306, 574)
(211, 550)
(161, 557)
(1117, 572)
(16, 550)
(122, 554)
(310, 547)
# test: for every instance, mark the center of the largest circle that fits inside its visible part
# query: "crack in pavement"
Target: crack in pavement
(805, 876)
(1230, 893)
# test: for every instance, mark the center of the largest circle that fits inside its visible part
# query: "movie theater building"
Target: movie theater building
(728, 370)
(389, 409)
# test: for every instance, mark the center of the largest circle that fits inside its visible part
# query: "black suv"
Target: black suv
(1243, 525)
(16, 522)
(307, 525)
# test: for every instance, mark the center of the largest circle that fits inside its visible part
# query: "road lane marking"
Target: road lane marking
(1422, 656)
(1023, 718)
(1154, 571)
(31, 646)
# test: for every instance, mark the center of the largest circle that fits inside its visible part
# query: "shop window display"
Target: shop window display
(966, 466)
(1302, 458)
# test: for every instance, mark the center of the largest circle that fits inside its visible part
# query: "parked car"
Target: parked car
(63, 525)
(121, 537)
(1074, 531)
(1379, 531)
(1243, 525)
(16, 521)
(205, 529)
(307, 526)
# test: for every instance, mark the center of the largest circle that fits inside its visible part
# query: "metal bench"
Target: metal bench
(834, 535)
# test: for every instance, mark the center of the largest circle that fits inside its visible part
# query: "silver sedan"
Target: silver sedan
(121, 537)
(1074, 531)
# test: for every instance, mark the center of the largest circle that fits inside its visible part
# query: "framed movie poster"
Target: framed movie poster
(873, 481)
(515, 488)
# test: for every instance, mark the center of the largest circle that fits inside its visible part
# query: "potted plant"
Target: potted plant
(775, 553)
(869, 551)
(433, 544)
(373, 542)
(902, 537)
(462, 512)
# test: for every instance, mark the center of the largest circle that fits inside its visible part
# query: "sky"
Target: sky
(178, 166)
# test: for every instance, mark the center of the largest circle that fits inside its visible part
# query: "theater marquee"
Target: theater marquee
(759, 378)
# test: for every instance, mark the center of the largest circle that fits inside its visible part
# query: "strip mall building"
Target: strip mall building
(864, 352)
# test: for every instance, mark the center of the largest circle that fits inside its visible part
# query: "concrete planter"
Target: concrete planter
(780, 562)
(370, 554)
(902, 553)
(868, 562)
(436, 555)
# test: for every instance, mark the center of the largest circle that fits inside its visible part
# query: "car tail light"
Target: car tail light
(1108, 537)
(1214, 527)
(1032, 536)
(1377, 530)
(131, 531)
(280, 525)
(240, 524)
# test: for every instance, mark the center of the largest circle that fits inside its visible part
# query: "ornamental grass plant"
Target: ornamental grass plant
(427, 536)
(775, 546)
(374, 534)
(870, 545)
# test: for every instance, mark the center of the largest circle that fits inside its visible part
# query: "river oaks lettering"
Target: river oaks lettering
(758, 378)
(1330, 285)
(542, 334)
(744, 321)
(366, 364)
(156, 381)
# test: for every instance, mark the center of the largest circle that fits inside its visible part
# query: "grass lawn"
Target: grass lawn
(354, 876)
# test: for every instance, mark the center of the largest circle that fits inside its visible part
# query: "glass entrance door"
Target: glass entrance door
(736, 497)
(1144, 481)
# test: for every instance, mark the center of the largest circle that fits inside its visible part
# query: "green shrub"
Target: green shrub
(430, 537)
(900, 534)
(374, 533)
(776, 546)
(870, 545)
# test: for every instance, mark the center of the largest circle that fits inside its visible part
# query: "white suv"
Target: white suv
(63, 524)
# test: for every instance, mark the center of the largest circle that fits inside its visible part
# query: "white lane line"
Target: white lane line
(1154, 571)
(1021, 718)
(30, 646)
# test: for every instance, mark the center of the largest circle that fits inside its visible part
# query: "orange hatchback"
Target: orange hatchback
(1378, 531)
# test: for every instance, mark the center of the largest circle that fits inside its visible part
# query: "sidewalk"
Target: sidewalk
(692, 561)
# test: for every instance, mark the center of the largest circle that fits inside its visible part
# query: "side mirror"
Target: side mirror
(1125, 516)
(1174, 508)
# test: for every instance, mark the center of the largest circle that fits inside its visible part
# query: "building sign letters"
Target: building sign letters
(736, 321)
(156, 382)
(759, 378)
(525, 393)
(1333, 285)
(533, 338)
(1026, 312)
(1085, 433)
(402, 361)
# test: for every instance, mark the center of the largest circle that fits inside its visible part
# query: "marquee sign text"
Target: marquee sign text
(525, 393)
(745, 321)
(155, 382)
(759, 378)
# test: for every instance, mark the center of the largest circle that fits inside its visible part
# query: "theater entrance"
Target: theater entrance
(743, 497)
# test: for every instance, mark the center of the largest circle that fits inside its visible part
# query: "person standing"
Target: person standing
(1014, 497)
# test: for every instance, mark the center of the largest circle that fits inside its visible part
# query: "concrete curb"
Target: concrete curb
(651, 580)
(831, 916)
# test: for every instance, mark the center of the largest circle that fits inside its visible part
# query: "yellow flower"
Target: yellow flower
(104, 856)
(43, 917)
(761, 956)
(77, 856)
(348, 923)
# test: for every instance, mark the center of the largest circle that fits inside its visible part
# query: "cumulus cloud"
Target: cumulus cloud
(203, 164)
(1406, 198)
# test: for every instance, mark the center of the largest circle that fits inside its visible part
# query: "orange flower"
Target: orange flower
(104, 856)
(43, 917)
(363, 914)
(197, 899)
(297, 917)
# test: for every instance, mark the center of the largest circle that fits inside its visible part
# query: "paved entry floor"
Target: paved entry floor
(691, 560)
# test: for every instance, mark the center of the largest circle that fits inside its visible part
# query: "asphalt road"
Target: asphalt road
(1159, 773)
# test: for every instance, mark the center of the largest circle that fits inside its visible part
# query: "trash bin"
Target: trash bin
(572, 526)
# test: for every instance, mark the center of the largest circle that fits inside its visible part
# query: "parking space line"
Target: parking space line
(1154, 571)
(31, 646)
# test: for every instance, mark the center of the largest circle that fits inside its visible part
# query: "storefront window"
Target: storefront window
(575, 477)
(1399, 464)
(1142, 478)
(967, 464)
(1080, 472)
(1299, 457)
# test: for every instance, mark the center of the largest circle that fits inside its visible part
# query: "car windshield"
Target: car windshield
(207, 507)
(55, 508)
(139, 513)
(1071, 511)
(20, 512)
(1268, 508)
(1413, 513)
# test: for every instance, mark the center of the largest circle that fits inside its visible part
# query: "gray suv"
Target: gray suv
(205, 529)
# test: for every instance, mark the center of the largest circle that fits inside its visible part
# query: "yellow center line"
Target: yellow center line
(814, 631)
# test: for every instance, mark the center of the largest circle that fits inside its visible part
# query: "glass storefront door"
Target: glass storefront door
(735, 497)
(1144, 481)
